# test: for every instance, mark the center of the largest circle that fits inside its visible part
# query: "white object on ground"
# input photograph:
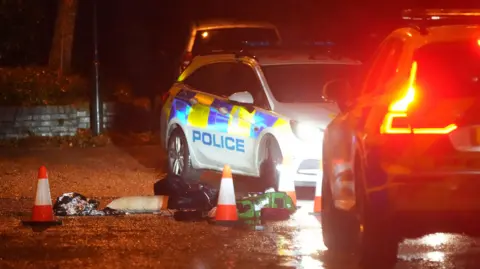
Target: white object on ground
(212, 212)
(140, 204)
(270, 190)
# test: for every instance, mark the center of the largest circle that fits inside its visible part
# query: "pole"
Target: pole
(96, 104)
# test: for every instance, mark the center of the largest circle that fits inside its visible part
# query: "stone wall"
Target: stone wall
(20, 122)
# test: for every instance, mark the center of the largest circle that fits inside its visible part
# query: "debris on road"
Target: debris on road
(183, 196)
(171, 194)
(140, 204)
(185, 202)
(266, 206)
(75, 204)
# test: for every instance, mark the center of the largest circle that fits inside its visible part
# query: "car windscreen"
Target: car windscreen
(234, 39)
(448, 70)
(303, 83)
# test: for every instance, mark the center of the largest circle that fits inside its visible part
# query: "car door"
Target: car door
(343, 133)
(239, 125)
(197, 105)
(355, 120)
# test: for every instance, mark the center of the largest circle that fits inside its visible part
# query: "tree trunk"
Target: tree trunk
(61, 50)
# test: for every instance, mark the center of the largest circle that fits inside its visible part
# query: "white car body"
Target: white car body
(248, 128)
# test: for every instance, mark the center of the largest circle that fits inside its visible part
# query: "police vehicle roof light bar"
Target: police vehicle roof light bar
(423, 18)
(437, 14)
(237, 53)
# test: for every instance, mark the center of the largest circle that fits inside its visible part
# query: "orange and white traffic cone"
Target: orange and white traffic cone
(286, 180)
(317, 202)
(42, 213)
(226, 212)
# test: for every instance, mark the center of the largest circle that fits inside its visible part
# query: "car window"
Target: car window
(303, 83)
(243, 78)
(448, 70)
(384, 67)
(233, 39)
(211, 78)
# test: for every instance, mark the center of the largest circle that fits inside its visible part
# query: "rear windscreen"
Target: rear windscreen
(233, 39)
(448, 70)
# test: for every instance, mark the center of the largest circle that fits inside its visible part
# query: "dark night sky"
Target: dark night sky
(133, 34)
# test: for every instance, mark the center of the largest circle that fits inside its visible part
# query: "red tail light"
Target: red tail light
(396, 121)
(187, 59)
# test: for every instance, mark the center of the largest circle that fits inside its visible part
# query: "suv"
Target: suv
(249, 110)
(218, 35)
(403, 159)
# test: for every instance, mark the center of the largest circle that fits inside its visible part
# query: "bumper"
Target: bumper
(307, 164)
(307, 180)
(435, 192)
(423, 199)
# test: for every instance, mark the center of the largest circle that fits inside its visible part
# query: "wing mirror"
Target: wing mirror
(241, 97)
(339, 91)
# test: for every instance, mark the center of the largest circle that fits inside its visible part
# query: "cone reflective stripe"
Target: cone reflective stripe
(317, 202)
(287, 181)
(226, 207)
(42, 212)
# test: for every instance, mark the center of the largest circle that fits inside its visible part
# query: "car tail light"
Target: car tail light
(187, 59)
(396, 120)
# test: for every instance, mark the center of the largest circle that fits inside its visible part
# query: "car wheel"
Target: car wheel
(378, 244)
(268, 169)
(340, 229)
(179, 162)
(358, 231)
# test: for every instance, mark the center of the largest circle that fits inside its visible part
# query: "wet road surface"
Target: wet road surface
(155, 241)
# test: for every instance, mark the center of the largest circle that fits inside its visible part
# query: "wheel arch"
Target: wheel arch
(262, 148)
(172, 127)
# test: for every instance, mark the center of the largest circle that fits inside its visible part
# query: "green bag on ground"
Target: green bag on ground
(250, 207)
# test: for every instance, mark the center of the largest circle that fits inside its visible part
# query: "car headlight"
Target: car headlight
(306, 132)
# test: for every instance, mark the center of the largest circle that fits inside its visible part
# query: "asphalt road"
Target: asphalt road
(154, 241)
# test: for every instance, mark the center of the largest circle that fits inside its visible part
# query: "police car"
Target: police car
(223, 34)
(402, 159)
(249, 110)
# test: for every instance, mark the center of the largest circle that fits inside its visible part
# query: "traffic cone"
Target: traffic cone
(317, 202)
(226, 212)
(42, 213)
(287, 182)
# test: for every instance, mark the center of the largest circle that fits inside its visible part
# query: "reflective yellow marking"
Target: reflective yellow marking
(204, 99)
(198, 116)
(239, 122)
(281, 125)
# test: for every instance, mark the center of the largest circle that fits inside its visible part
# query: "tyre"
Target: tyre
(378, 243)
(340, 229)
(358, 231)
(178, 157)
(269, 173)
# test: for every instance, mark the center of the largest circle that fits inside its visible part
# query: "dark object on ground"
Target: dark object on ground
(275, 214)
(75, 204)
(182, 196)
(190, 215)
